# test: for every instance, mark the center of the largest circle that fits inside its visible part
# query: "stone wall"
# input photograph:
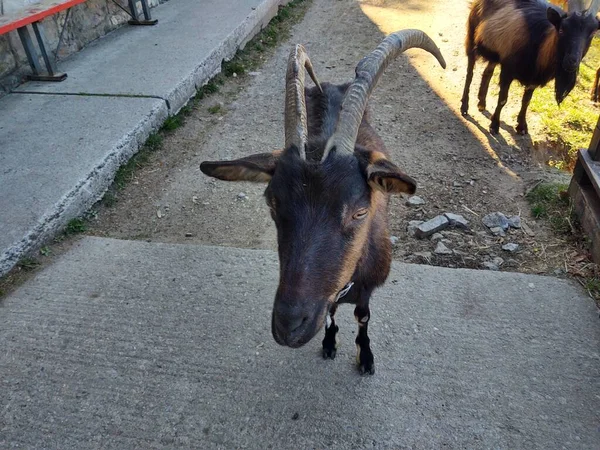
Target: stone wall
(87, 22)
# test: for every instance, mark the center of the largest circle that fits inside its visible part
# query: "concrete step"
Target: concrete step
(123, 344)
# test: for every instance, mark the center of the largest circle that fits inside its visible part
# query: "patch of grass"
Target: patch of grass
(550, 201)
(233, 67)
(154, 142)
(45, 251)
(274, 33)
(569, 127)
(172, 123)
(214, 109)
(592, 285)
(76, 226)
(29, 263)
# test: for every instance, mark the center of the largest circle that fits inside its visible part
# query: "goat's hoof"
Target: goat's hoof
(494, 129)
(522, 129)
(481, 107)
(329, 353)
(366, 364)
(464, 112)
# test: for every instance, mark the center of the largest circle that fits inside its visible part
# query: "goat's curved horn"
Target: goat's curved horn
(593, 9)
(575, 6)
(296, 126)
(368, 71)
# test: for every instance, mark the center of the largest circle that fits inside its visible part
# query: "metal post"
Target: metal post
(32, 55)
(134, 14)
(38, 29)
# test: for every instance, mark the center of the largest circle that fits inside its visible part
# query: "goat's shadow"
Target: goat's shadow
(496, 141)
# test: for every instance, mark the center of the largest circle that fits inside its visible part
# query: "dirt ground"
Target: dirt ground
(458, 165)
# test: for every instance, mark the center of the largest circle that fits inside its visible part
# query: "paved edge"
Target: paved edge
(90, 188)
(93, 185)
(226, 50)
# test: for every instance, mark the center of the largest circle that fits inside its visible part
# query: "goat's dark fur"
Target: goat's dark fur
(533, 41)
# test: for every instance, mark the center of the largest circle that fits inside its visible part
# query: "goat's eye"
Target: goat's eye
(360, 214)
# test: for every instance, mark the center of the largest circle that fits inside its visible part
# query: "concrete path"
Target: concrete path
(131, 345)
(60, 146)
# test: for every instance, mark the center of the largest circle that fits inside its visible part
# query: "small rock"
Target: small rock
(490, 265)
(411, 228)
(415, 200)
(242, 196)
(441, 249)
(498, 231)
(510, 247)
(426, 255)
(456, 220)
(495, 220)
(498, 261)
(188, 234)
(432, 226)
(296, 416)
(394, 240)
(437, 237)
(514, 221)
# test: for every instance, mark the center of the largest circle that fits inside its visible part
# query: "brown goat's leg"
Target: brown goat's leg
(464, 107)
(521, 122)
(485, 83)
(505, 82)
(364, 356)
(595, 87)
(330, 339)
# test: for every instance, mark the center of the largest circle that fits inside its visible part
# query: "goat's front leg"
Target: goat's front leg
(330, 339)
(505, 82)
(362, 314)
(521, 120)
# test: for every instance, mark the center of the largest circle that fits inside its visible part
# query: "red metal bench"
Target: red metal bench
(35, 13)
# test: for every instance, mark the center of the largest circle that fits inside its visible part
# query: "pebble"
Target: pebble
(514, 221)
(510, 247)
(490, 265)
(432, 226)
(498, 231)
(411, 228)
(394, 240)
(495, 220)
(441, 249)
(415, 200)
(242, 196)
(437, 236)
(456, 220)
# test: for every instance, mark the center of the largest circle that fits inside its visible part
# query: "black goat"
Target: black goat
(328, 193)
(533, 41)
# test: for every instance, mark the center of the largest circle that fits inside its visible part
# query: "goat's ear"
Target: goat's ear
(258, 168)
(385, 176)
(554, 17)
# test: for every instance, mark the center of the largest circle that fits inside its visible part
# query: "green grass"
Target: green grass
(569, 127)
(76, 226)
(172, 123)
(154, 142)
(214, 109)
(550, 201)
(29, 263)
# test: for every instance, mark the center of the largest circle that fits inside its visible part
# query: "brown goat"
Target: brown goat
(328, 194)
(533, 41)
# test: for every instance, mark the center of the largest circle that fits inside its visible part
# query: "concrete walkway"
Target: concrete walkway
(61, 143)
(126, 345)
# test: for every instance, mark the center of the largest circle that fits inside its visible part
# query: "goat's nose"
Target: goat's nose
(289, 323)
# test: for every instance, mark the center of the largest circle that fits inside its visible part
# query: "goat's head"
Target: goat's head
(323, 207)
(575, 31)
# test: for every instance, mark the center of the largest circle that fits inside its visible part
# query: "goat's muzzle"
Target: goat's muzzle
(292, 326)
